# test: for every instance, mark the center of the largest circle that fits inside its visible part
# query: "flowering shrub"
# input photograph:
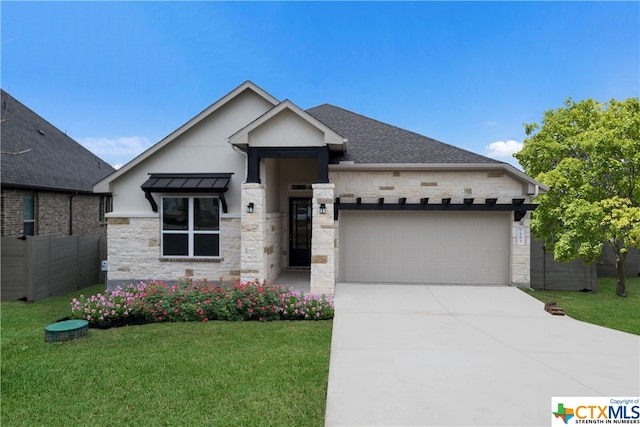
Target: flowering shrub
(203, 301)
(298, 306)
(109, 307)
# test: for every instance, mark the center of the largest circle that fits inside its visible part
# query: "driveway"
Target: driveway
(465, 356)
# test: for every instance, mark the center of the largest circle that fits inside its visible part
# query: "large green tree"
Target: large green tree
(588, 154)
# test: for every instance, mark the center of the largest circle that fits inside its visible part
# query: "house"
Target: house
(253, 186)
(52, 223)
(47, 178)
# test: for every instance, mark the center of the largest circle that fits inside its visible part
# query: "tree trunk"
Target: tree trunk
(621, 287)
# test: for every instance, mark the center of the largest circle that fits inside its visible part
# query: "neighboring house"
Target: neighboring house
(47, 178)
(252, 186)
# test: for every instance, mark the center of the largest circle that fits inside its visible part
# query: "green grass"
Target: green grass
(164, 374)
(602, 308)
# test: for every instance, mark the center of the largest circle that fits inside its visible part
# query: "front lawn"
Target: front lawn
(185, 373)
(602, 308)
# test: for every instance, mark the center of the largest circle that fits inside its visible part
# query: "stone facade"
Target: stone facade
(457, 185)
(414, 185)
(323, 276)
(254, 259)
(134, 253)
(273, 247)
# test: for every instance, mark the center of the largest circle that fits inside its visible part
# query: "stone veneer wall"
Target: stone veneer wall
(253, 262)
(370, 185)
(323, 276)
(134, 253)
(273, 247)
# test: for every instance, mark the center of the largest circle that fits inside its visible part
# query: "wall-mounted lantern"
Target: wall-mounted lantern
(250, 208)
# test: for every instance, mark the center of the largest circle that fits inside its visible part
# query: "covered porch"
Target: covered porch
(287, 200)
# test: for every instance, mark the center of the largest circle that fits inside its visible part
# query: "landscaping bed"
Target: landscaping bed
(156, 301)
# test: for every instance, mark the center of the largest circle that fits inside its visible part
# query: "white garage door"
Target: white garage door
(425, 247)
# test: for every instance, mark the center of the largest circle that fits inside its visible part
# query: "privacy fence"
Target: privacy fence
(44, 266)
(546, 273)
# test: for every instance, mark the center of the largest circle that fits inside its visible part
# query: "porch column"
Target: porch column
(253, 263)
(323, 277)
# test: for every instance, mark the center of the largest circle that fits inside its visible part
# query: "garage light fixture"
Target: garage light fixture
(323, 209)
(250, 208)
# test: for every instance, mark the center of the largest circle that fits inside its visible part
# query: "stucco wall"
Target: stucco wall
(286, 129)
(202, 148)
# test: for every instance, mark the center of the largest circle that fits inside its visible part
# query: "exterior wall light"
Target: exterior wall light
(250, 208)
(323, 209)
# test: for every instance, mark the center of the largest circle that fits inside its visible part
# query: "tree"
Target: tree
(588, 154)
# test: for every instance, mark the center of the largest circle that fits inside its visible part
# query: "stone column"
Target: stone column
(521, 252)
(253, 263)
(322, 241)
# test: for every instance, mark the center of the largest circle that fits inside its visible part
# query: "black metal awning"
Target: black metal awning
(186, 183)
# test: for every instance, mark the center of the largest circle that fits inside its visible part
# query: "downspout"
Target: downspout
(246, 158)
(71, 196)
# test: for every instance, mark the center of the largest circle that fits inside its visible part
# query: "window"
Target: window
(28, 214)
(190, 227)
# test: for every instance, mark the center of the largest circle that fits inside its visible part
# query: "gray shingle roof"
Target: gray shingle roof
(371, 141)
(54, 161)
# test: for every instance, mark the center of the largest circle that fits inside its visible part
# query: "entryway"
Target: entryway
(300, 232)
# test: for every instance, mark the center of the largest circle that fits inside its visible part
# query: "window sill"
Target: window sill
(174, 259)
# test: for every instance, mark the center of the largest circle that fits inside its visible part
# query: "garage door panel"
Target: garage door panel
(428, 247)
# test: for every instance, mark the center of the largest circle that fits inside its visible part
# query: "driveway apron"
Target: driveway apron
(422, 355)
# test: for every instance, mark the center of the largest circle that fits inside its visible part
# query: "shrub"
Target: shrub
(298, 306)
(110, 307)
(187, 301)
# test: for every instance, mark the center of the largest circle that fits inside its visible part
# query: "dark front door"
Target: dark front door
(300, 232)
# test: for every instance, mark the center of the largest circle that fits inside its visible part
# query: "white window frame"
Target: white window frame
(190, 231)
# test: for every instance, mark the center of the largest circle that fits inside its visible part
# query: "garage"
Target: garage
(425, 247)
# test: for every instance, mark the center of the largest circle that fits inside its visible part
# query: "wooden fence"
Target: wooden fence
(44, 266)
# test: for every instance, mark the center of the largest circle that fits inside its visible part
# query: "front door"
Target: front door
(300, 232)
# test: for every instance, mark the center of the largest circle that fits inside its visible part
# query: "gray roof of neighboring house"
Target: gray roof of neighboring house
(371, 141)
(51, 160)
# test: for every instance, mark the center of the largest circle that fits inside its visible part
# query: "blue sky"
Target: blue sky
(120, 76)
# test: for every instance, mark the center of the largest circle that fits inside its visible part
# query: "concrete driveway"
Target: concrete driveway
(423, 355)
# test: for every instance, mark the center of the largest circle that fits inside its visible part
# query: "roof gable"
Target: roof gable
(104, 185)
(287, 125)
(372, 141)
(48, 158)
